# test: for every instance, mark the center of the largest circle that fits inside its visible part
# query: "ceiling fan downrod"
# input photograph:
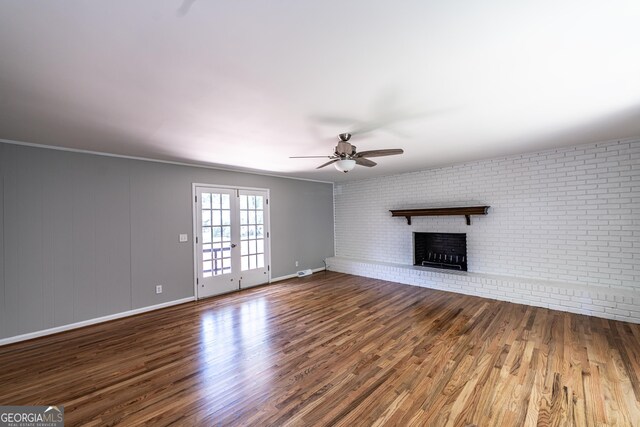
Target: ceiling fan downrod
(344, 137)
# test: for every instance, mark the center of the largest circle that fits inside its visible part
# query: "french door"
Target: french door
(232, 239)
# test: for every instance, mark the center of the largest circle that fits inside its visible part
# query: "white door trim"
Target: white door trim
(194, 230)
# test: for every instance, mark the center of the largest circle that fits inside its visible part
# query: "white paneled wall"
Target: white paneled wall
(568, 215)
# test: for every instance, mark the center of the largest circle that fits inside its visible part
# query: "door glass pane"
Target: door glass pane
(206, 201)
(226, 202)
(260, 246)
(215, 217)
(261, 261)
(244, 248)
(206, 234)
(259, 202)
(216, 256)
(259, 217)
(244, 263)
(206, 217)
(206, 252)
(243, 202)
(226, 217)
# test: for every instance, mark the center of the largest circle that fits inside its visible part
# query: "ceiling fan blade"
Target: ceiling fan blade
(333, 120)
(380, 124)
(365, 162)
(380, 153)
(328, 163)
(184, 9)
(310, 157)
(367, 127)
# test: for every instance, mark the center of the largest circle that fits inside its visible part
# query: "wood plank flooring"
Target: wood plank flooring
(336, 350)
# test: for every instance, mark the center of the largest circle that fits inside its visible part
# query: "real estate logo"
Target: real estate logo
(31, 416)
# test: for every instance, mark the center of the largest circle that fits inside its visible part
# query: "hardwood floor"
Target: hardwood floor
(334, 349)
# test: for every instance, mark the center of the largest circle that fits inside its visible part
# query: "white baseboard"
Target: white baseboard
(289, 276)
(31, 335)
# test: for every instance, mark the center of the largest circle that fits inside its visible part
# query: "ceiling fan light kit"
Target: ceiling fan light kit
(345, 165)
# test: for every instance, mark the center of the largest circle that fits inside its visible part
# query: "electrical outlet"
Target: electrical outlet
(159, 289)
(183, 238)
(296, 263)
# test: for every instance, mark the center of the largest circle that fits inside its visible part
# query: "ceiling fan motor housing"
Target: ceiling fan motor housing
(344, 149)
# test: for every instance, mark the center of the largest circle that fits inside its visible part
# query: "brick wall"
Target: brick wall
(569, 215)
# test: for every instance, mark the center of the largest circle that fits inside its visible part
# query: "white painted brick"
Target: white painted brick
(618, 312)
(593, 308)
(571, 304)
(522, 224)
(629, 307)
(566, 215)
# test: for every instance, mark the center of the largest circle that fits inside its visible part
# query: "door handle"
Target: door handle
(233, 245)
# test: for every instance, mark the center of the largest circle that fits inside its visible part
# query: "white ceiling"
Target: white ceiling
(249, 83)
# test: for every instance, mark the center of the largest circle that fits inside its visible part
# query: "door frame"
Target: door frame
(194, 230)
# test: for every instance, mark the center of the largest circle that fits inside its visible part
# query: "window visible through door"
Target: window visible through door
(252, 234)
(216, 234)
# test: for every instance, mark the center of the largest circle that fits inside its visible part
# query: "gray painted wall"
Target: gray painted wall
(2, 305)
(85, 236)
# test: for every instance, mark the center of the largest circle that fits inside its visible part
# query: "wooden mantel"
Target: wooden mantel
(467, 211)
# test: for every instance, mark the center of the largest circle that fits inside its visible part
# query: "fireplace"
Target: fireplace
(440, 250)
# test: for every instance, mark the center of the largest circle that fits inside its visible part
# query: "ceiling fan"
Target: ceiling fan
(345, 157)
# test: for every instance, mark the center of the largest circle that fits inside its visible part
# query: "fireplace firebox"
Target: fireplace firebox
(440, 250)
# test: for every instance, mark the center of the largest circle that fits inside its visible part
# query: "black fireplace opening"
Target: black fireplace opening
(440, 250)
